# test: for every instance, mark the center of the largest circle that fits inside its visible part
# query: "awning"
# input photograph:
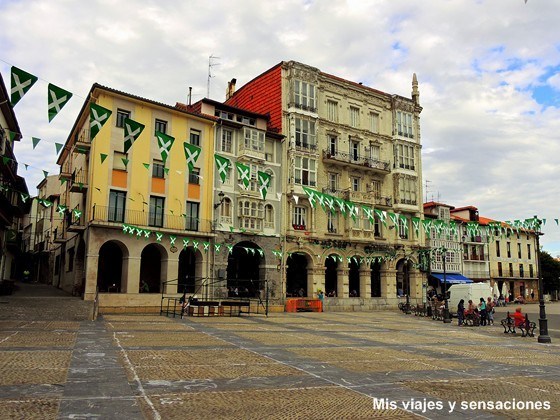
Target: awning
(452, 278)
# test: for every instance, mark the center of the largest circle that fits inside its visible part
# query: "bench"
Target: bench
(527, 328)
(235, 307)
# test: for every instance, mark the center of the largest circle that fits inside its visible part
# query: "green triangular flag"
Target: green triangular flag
(192, 153)
(45, 173)
(146, 165)
(103, 157)
(165, 142)
(26, 166)
(223, 164)
(81, 150)
(21, 83)
(125, 161)
(166, 170)
(98, 116)
(12, 135)
(58, 97)
(58, 146)
(5, 160)
(132, 131)
(243, 173)
(63, 180)
(35, 141)
(264, 183)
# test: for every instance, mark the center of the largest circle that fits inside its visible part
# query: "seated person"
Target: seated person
(518, 317)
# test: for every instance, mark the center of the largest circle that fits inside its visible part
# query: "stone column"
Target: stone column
(416, 280)
(170, 271)
(365, 283)
(92, 262)
(342, 282)
(131, 275)
(389, 283)
(315, 280)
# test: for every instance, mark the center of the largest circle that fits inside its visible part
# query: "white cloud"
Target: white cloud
(486, 141)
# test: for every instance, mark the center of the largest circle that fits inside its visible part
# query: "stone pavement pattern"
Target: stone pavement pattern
(57, 363)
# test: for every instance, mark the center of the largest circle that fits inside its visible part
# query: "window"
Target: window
(156, 211)
(70, 259)
(332, 222)
(333, 140)
(500, 271)
(355, 182)
(225, 143)
(333, 182)
(117, 201)
(254, 139)
(354, 116)
(531, 273)
(305, 171)
(194, 137)
(253, 178)
(529, 251)
(118, 162)
(304, 95)
(298, 217)
(521, 274)
(403, 228)
(511, 269)
(407, 190)
(332, 111)
(158, 169)
(269, 216)
(224, 115)
(518, 250)
(374, 122)
(161, 126)
(246, 120)
(192, 215)
(305, 133)
(498, 249)
(404, 156)
(377, 226)
(194, 176)
(122, 114)
(374, 152)
(251, 214)
(404, 124)
(508, 248)
(375, 188)
(355, 150)
(225, 209)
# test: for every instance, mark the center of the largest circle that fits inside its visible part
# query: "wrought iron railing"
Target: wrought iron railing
(115, 215)
(357, 160)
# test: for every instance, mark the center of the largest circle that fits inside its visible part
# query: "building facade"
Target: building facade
(348, 150)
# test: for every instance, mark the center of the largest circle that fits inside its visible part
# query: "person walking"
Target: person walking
(482, 311)
(490, 311)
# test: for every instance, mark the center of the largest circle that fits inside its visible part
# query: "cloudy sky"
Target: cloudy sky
(487, 69)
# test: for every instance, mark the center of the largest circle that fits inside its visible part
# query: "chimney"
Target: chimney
(230, 88)
(415, 92)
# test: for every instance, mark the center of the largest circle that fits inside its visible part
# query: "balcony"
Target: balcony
(83, 142)
(306, 147)
(78, 183)
(405, 202)
(66, 170)
(58, 237)
(110, 216)
(356, 161)
(250, 152)
(9, 167)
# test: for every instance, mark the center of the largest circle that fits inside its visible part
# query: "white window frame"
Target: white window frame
(226, 141)
(302, 167)
(253, 139)
(305, 133)
(332, 110)
(304, 95)
(354, 116)
(299, 216)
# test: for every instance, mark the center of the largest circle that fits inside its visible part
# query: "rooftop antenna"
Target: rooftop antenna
(211, 63)
(427, 189)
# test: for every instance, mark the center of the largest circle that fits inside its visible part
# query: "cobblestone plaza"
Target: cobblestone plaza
(59, 364)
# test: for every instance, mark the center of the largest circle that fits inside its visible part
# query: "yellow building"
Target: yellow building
(135, 219)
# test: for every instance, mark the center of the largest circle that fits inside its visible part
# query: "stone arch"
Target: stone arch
(152, 268)
(354, 276)
(246, 270)
(331, 274)
(403, 267)
(189, 274)
(111, 271)
(297, 265)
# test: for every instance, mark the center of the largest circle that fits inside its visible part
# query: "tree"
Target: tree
(550, 272)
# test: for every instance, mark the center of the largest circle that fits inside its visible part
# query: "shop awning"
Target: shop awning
(452, 278)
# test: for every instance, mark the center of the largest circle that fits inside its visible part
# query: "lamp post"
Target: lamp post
(446, 318)
(543, 322)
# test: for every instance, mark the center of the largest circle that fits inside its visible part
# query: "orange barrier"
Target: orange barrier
(304, 305)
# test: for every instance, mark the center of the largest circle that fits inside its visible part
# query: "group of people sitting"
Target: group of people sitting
(483, 311)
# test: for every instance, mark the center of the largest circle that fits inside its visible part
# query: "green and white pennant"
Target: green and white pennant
(404, 221)
(264, 183)
(58, 97)
(243, 173)
(341, 205)
(352, 209)
(165, 142)
(98, 116)
(311, 196)
(382, 214)
(132, 131)
(223, 165)
(416, 225)
(394, 218)
(21, 83)
(192, 153)
(329, 203)
(368, 212)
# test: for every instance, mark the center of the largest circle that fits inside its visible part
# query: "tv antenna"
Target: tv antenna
(426, 189)
(211, 63)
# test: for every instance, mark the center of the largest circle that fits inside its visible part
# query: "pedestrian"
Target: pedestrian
(490, 311)
(482, 311)
(532, 294)
(461, 312)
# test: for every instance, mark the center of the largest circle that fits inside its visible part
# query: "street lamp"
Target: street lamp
(222, 198)
(446, 318)
(543, 322)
